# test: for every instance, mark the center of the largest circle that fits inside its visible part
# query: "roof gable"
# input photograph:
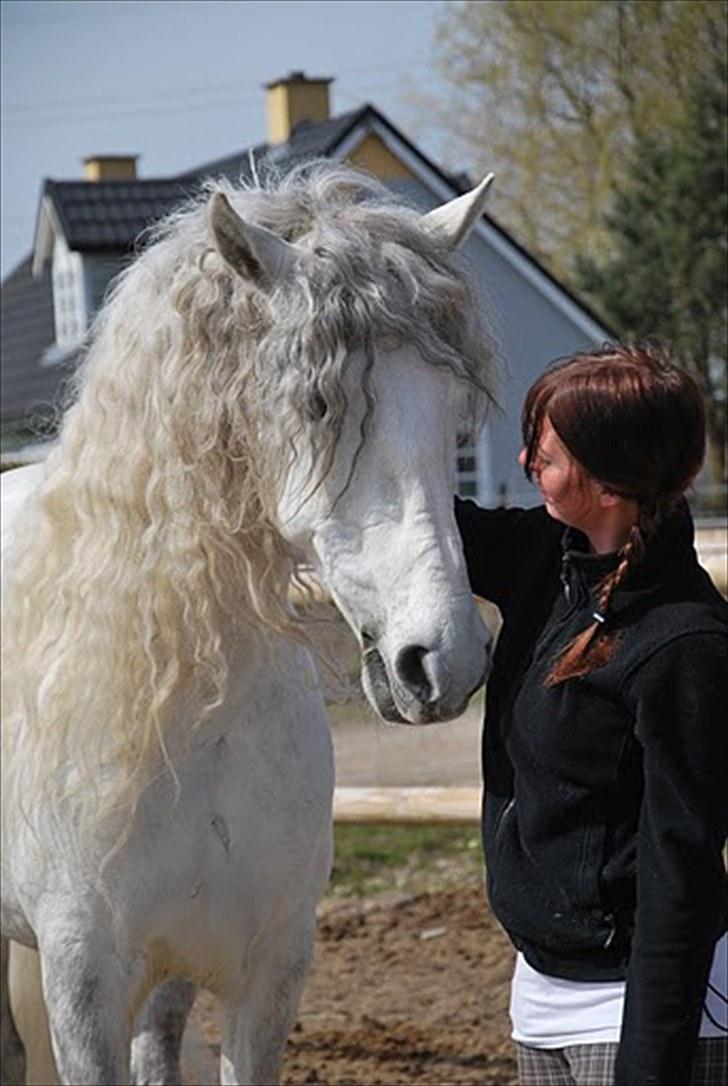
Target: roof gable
(445, 186)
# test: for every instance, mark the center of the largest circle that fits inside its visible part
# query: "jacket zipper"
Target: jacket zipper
(565, 580)
(553, 629)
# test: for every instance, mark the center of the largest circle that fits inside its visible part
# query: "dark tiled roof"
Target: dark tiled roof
(309, 139)
(27, 329)
(111, 214)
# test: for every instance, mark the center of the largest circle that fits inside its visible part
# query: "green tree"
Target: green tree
(555, 94)
(668, 276)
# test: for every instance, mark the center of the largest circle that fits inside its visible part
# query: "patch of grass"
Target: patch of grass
(370, 859)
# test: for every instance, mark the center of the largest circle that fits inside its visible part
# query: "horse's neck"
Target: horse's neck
(258, 667)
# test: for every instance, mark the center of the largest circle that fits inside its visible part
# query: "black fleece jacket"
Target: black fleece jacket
(604, 811)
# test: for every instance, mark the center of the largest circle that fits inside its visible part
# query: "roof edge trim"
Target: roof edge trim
(47, 227)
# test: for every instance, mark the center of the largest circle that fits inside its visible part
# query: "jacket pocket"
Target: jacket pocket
(589, 891)
(535, 905)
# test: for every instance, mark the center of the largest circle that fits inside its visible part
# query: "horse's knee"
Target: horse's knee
(88, 1000)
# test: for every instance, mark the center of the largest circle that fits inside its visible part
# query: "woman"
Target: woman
(604, 748)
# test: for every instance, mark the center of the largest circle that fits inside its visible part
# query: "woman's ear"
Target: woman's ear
(607, 498)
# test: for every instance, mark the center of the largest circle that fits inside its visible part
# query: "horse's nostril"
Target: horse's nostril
(411, 672)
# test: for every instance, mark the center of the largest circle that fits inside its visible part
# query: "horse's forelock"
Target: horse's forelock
(367, 269)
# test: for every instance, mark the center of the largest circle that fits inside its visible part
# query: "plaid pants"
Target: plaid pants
(593, 1065)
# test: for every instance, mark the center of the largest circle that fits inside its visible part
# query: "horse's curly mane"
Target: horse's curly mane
(152, 540)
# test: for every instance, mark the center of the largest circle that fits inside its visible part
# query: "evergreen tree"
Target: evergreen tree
(668, 277)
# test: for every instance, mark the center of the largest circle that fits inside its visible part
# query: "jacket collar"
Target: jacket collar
(666, 555)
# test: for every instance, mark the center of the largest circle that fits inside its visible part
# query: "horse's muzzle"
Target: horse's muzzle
(415, 693)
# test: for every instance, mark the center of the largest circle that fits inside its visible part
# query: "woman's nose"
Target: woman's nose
(522, 457)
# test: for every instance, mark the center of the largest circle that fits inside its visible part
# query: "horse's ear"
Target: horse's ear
(456, 219)
(252, 251)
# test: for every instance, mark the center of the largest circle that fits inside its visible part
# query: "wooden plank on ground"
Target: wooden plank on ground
(407, 804)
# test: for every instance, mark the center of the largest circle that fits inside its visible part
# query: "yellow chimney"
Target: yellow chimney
(110, 167)
(292, 100)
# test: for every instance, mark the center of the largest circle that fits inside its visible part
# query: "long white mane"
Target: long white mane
(153, 540)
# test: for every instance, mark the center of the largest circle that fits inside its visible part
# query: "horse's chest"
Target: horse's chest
(251, 826)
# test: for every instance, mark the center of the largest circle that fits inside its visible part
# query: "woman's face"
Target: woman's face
(568, 493)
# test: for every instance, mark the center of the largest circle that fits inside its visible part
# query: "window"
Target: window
(466, 477)
(69, 301)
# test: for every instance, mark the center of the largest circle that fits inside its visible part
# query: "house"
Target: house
(86, 231)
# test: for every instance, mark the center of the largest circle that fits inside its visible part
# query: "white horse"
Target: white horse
(279, 378)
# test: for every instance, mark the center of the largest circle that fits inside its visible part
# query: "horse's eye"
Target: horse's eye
(318, 407)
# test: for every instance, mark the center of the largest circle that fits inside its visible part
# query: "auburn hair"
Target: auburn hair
(634, 423)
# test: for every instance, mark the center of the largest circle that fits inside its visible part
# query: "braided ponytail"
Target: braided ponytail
(595, 645)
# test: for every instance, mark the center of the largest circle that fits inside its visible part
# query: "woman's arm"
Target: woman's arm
(497, 543)
(679, 699)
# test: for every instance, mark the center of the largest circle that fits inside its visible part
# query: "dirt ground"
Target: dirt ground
(404, 989)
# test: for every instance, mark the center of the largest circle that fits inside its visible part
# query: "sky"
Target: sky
(180, 82)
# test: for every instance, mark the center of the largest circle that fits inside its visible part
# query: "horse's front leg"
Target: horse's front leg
(256, 1025)
(88, 994)
(29, 1012)
(155, 1050)
(12, 1056)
